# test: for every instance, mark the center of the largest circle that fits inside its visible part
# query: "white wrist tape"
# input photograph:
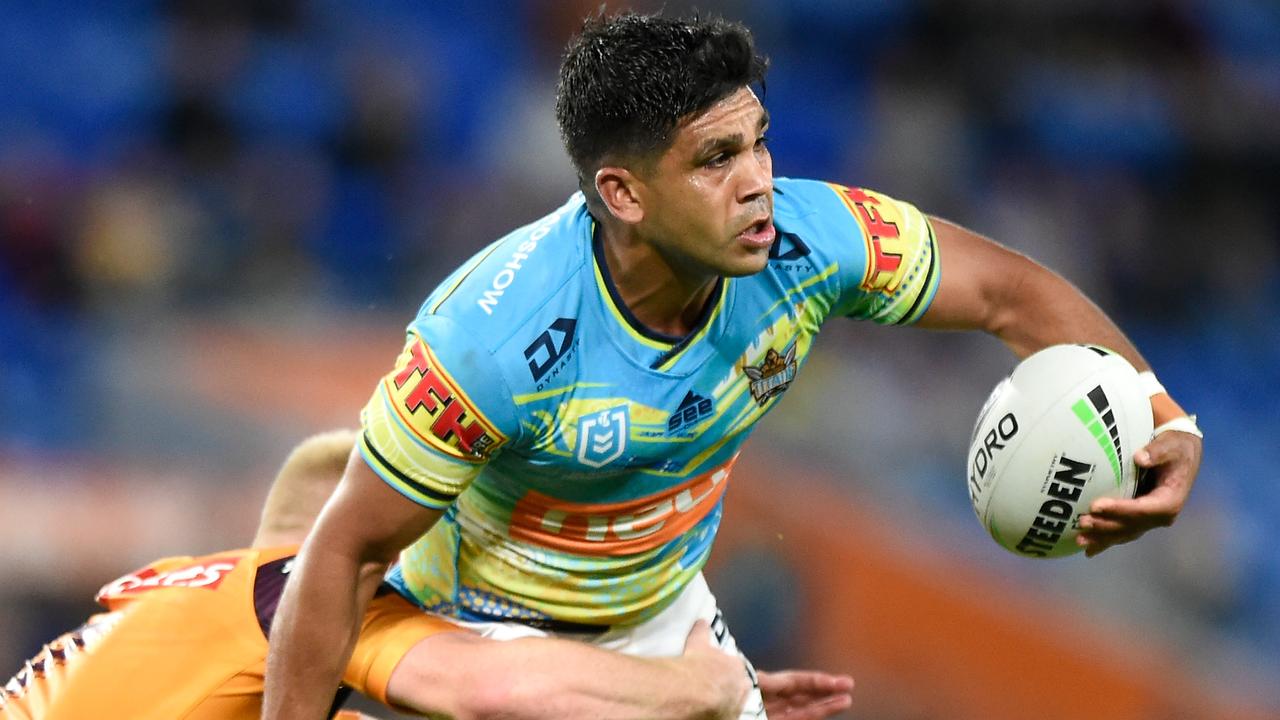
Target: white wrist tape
(1186, 424)
(1150, 385)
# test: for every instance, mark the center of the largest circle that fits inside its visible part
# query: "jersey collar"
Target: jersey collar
(667, 348)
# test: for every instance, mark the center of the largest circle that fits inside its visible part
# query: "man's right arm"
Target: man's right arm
(359, 533)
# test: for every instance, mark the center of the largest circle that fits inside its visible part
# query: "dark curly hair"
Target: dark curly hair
(628, 81)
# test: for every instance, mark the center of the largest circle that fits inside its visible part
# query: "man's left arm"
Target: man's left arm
(466, 676)
(985, 286)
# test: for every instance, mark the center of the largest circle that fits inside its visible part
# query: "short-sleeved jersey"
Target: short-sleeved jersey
(186, 637)
(580, 457)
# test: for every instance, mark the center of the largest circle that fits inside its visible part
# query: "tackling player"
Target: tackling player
(185, 637)
(590, 378)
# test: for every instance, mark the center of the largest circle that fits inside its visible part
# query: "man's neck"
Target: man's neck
(654, 290)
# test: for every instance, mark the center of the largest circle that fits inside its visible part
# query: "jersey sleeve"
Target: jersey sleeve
(894, 271)
(438, 416)
(392, 626)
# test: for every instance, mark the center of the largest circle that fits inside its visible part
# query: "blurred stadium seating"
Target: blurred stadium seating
(215, 218)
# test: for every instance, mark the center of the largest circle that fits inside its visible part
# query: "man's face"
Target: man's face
(708, 201)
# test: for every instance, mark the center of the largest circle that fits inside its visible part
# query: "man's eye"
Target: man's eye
(718, 160)
(763, 141)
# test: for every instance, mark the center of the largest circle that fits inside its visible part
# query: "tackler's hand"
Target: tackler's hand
(1171, 461)
(804, 694)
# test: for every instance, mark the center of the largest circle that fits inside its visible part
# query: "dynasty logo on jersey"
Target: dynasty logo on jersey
(429, 402)
(796, 248)
(546, 352)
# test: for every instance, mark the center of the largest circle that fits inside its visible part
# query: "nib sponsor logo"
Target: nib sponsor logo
(693, 408)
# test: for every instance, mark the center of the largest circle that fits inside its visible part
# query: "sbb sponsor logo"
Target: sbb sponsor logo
(208, 574)
(693, 408)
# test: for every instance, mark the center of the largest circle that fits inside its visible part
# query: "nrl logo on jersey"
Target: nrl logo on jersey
(602, 436)
(772, 376)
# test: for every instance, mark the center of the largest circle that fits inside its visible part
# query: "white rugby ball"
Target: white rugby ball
(1054, 436)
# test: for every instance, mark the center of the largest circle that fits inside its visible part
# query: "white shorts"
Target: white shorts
(662, 636)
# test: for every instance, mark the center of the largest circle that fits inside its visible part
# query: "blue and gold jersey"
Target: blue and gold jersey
(581, 458)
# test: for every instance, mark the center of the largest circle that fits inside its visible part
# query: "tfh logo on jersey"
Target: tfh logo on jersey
(430, 403)
(772, 377)
(693, 408)
(546, 351)
(602, 436)
(880, 220)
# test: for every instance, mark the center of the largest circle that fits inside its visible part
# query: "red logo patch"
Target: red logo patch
(884, 243)
(430, 403)
(208, 574)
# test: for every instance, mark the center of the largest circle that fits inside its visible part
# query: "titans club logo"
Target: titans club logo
(772, 376)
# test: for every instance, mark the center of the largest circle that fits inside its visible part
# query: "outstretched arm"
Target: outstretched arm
(985, 286)
(468, 677)
(361, 530)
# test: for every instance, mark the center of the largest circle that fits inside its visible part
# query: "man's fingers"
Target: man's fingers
(1095, 524)
(1094, 544)
(1157, 507)
(1154, 453)
(814, 710)
(804, 694)
(1167, 447)
(1171, 460)
(699, 636)
(797, 681)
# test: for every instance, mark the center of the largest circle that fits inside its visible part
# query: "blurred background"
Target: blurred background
(216, 219)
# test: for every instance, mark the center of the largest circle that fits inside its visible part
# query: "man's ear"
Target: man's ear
(618, 188)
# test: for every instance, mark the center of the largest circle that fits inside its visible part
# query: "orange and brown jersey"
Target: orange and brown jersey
(186, 637)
